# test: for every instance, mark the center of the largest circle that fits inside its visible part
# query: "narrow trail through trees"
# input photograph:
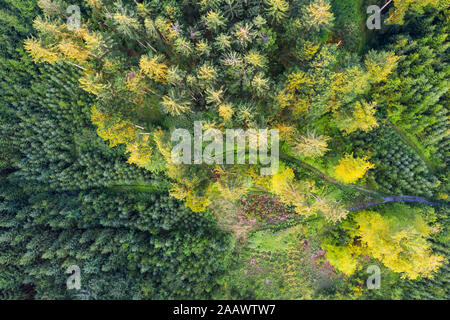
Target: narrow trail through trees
(383, 198)
(388, 199)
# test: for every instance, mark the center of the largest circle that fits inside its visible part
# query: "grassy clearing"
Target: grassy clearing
(350, 23)
(267, 240)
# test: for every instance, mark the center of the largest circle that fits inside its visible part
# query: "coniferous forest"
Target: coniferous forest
(355, 206)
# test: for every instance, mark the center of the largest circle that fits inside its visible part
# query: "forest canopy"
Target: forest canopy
(92, 94)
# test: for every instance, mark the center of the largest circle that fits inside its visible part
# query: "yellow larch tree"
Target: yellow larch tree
(311, 145)
(351, 169)
(123, 132)
(39, 53)
(319, 13)
(154, 68)
(362, 118)
(226, 111)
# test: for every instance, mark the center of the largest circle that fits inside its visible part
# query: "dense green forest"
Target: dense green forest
(87, 177)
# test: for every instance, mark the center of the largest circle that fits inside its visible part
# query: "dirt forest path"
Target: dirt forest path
(388, 199)
(373, 193)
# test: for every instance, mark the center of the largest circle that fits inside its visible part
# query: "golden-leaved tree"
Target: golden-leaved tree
(397, 239)
(399, 244)
(305, 197)
(351, 169)
(402, 6)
